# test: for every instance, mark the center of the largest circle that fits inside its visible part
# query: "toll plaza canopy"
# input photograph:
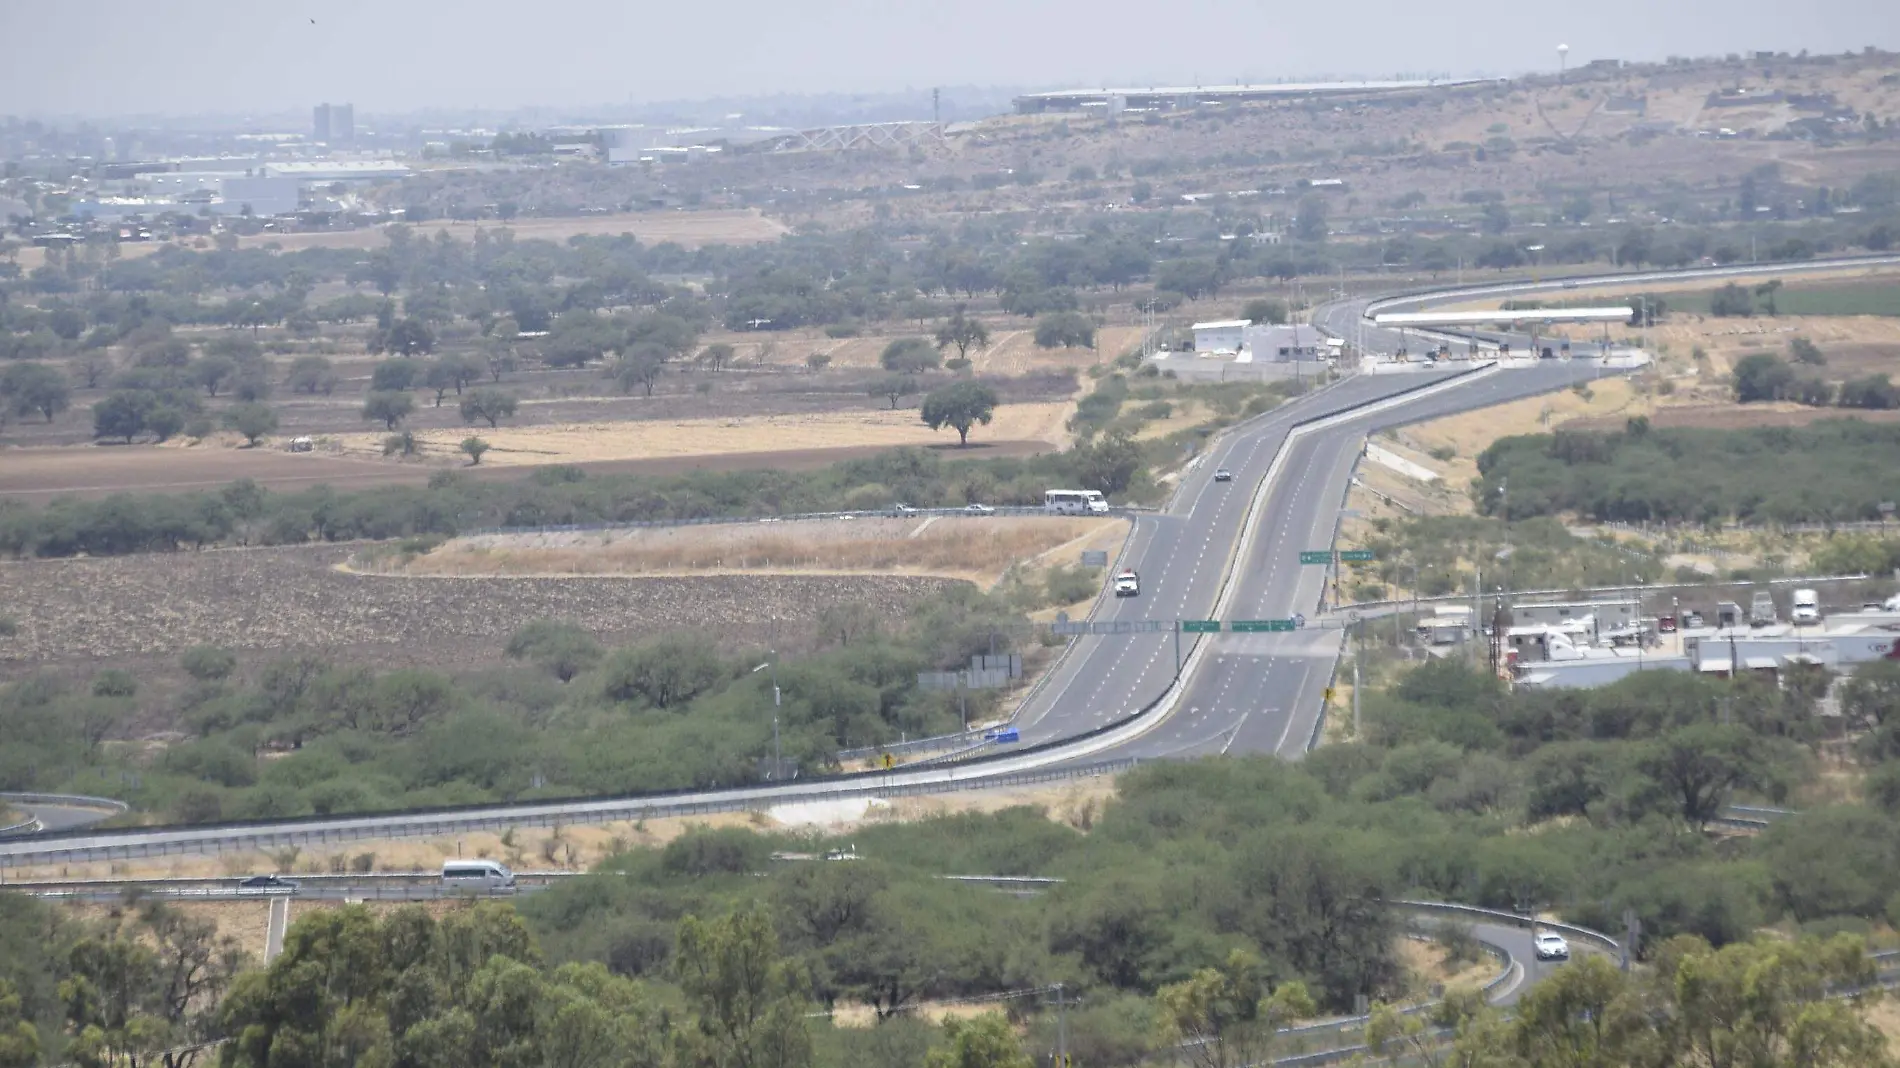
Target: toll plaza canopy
(1507, 318)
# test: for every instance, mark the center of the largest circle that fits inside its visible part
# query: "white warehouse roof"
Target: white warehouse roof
(1482, 318)
(1224, 324)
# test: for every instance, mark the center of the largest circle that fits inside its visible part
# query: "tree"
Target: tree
(1761, 376)
(488, 405)
(251, 420)
(1309, 224)
(715, 357)
(986, 1041)
(748, 1002)
(894, 386)
(92, 367)
(441, 376)
(388, 408)
(562, 649)
(909, 355)
(409, 337)
(19, 1039)
(123, 414)
(1731, 300)
(474, 447)
(817, 362)
(963, 332)
(212, 372)
(35, 387)
(1806, 351)
(1700, 766)
(1065, 330)
(1264, 310)
(208, 663)
(395, 375)
(1109, 463)
(959, 405)
(1224, 1017)
(641, 366)
(312, 375)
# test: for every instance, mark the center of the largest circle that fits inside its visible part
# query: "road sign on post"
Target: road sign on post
(1201, 626)
(1316, 556)
(1356, 556)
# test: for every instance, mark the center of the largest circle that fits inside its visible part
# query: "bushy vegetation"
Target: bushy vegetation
(303, 735)
(245, 513)
(1831, 470)
(1442, 555)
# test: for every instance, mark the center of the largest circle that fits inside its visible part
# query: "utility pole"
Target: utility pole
(1062, 1003)
(1358, 653)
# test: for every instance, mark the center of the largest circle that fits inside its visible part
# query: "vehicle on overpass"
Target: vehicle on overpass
(1074, 502)
(1128, 584)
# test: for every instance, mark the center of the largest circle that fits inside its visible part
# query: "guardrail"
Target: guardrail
(1571, 930)
(1032, 511)
(207, 839)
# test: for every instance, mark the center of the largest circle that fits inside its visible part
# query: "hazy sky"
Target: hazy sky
(117, 57)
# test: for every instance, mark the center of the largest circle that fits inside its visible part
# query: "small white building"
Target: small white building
(1225, 335)
(1285, 343)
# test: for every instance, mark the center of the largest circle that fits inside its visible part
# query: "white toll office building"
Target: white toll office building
(1224, 336)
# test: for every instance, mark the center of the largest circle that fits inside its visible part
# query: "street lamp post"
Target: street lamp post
(778, 755)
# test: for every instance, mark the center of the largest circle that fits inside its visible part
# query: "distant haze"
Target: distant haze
(125, 57)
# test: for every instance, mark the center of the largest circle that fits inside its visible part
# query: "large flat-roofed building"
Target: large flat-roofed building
(1171, 98)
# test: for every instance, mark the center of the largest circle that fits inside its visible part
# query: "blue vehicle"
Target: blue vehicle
(1000, 735)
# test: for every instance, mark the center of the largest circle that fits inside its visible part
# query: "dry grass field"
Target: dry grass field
(651, 439)
(976, 549)
(690, 228)
(76, 616)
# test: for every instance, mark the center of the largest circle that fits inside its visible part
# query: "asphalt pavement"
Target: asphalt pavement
(1182, 556)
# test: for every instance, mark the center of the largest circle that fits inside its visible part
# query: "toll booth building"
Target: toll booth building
(1224, 336)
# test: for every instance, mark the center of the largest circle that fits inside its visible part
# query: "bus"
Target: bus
(482, 875)
(1074, 502)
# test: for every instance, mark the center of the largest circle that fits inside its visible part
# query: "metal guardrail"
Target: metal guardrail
(46, 849)
(1030, 511)
(1573, 931)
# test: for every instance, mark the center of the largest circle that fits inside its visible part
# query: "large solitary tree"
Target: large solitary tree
(960, 405)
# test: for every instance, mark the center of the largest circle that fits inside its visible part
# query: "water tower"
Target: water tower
(1563, 62)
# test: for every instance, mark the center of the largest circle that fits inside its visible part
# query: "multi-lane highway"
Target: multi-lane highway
(1253, 693)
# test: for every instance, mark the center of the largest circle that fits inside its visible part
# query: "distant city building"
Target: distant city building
(333, 124)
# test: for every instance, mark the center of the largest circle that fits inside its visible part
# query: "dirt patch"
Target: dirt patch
(526, 446)
(978, 549)
(79, 613)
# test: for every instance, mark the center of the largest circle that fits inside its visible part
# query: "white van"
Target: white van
(1807, 608)
(482, 875)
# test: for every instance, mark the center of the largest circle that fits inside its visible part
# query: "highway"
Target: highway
(1261, 693)
(1244, 693)
(1182, 556)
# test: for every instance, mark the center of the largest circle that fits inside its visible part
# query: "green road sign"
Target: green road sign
(1255, 626)
(1201, 626)
(1316, 556)
(1356, 556)
(1280, 624)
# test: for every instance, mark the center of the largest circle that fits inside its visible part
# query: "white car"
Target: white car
(1221, 474)
(1551, 946)
(906, 510)
(978, 509)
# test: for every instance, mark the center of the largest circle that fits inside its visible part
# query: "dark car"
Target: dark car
(1221, 474)
(267, 882)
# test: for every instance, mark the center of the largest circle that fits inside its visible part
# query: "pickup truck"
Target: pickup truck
(1128, 584)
